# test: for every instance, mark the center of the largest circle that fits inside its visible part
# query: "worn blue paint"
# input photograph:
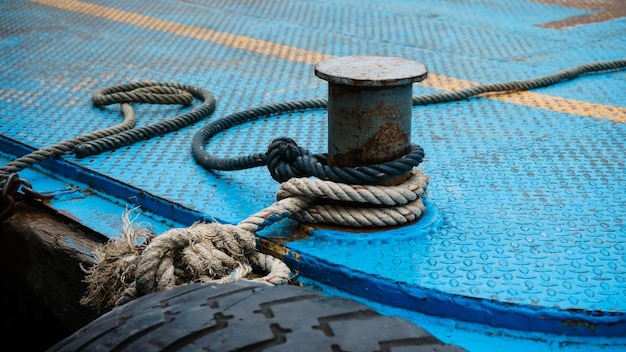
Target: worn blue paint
(522, 243)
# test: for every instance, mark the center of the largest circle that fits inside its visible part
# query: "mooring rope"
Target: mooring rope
(140, 262)
(65, 146)
(307, 164)
(516, 86)
(123, 134)
(355, 205)
(174, 93)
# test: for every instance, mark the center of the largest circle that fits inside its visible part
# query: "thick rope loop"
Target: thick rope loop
(123, 134)
(327, 202)
(358, 217)
(404, 193)
(212, 128)
(152, 93)
(315, 201)
(146, 92)
(286, 160)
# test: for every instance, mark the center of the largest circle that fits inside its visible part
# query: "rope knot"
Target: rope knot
(282, 159)
(203, 252)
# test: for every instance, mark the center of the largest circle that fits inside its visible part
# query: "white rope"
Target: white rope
(402, 203)
(361, 217)
(218, 253)
(371, 194)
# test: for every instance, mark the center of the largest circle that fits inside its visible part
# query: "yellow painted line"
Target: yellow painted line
(226, 39)
(289, 53)
(536, 100)
(568, 106)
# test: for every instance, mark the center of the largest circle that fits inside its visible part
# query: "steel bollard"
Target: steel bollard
(369, 109)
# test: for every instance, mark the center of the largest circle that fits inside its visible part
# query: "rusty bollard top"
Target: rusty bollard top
(371, 71)
(369, 108)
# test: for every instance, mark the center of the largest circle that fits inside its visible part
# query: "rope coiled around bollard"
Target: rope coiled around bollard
(212, 252)
(285, 159)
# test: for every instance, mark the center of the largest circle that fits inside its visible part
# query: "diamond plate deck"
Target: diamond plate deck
(523, 239)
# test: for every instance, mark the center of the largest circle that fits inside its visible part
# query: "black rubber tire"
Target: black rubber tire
(248, 316)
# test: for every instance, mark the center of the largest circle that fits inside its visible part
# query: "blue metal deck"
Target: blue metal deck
(523, 241)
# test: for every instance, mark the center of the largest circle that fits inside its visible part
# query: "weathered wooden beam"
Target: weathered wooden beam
(41, 253)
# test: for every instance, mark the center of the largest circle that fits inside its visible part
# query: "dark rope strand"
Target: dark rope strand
(214, 127)
(65, 146)
(121, 135)
(151, 93)
(514, 86)
(173, 93)
(306, 164)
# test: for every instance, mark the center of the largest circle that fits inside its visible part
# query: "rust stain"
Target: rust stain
(579, 323)
(390, 142)
(272, 248)
(604, 10)
(275, 246)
